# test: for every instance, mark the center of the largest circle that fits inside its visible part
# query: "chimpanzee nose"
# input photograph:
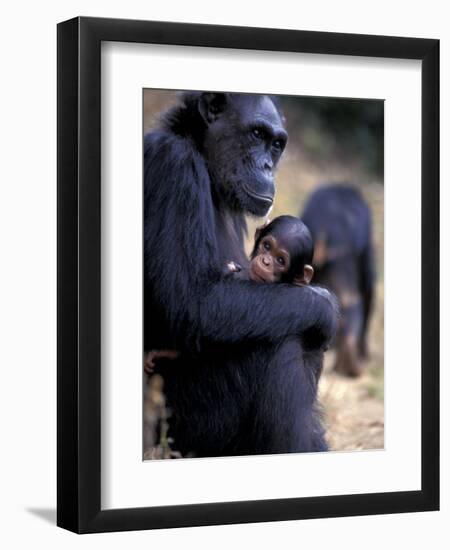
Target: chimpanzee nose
(266, 261)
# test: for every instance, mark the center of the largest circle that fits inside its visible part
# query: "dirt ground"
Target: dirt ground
(354, 408)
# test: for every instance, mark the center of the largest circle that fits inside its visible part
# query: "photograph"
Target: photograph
(263, 274)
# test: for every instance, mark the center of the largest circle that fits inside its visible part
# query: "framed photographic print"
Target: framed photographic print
(248, 289)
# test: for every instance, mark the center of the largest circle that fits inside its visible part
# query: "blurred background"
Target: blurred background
(330, 141)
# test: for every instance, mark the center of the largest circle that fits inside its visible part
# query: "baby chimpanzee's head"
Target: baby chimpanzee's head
(283, 252)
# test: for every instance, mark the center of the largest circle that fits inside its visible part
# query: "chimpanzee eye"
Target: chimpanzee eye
(281, 260)
(266, 245)
(257, 133)
(277, 145)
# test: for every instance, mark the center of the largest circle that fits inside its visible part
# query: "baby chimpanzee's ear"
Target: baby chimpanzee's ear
(306, 277)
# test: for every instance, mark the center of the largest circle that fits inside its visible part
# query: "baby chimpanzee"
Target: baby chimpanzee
(282, 253)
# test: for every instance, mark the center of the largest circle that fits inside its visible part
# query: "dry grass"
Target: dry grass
(354, 408)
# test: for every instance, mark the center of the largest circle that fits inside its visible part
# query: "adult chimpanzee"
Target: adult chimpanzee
(340, 222)
(236, 386)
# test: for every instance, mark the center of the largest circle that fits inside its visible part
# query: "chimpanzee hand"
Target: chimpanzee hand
(234, 267)
(314, 337)
(154, 355)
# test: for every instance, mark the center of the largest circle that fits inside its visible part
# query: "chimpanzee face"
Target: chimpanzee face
(282, 252)
(270, 261)
(243, 143)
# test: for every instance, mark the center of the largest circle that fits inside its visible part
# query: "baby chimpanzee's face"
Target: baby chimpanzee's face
(282, 253)
(270, 261)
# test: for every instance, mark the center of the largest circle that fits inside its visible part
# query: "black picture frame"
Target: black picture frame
(79, 281)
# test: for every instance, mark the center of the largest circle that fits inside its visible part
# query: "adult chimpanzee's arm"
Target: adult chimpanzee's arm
(182, 262)
(234, 310)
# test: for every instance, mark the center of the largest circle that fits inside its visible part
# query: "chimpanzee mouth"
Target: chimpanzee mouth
(258, 279)
(257, 276)
(268, 199)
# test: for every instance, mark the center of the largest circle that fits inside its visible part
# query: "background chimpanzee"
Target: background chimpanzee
(340, 222)
(237, 386)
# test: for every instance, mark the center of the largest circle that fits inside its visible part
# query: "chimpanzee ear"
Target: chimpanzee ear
(211, 105)
(306, 277)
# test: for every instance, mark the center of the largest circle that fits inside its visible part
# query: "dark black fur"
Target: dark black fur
(238, 386)
(339, 216)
